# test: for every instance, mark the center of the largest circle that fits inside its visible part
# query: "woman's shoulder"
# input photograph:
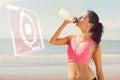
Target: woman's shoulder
(71, 36)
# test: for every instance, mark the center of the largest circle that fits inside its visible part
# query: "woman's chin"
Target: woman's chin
(77, 25)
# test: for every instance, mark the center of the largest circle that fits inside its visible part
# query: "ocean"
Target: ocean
(108, 47)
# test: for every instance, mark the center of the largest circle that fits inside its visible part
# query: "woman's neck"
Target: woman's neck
(81, 39)
(85, 36)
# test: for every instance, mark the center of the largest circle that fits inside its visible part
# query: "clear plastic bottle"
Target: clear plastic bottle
(68, 16)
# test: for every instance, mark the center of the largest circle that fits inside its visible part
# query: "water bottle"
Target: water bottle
(68, 16)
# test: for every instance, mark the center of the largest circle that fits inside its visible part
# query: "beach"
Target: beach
(50, 67)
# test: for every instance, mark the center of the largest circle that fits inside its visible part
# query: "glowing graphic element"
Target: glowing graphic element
(25, 27)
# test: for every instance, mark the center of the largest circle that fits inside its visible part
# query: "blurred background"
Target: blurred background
(52, 59)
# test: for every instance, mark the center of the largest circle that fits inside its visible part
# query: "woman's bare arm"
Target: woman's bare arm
(60, 41)
(98, 63)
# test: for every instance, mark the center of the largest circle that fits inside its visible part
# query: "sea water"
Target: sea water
(107, 46)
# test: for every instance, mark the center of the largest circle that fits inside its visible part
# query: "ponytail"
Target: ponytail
(96, 32)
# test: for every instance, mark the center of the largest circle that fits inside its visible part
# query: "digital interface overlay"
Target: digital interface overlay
(25, 30)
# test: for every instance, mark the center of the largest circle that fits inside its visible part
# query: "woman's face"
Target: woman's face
(83, 21)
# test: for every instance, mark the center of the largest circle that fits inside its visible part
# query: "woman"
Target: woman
(83, 47)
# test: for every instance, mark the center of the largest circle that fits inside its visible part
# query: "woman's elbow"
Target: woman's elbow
(51, 41)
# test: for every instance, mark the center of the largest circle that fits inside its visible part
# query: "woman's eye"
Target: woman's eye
(83, 17)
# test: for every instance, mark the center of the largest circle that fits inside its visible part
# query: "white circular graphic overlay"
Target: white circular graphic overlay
(29, 29)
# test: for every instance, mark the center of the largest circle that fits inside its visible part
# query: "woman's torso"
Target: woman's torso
(80, 71)
(77, 67)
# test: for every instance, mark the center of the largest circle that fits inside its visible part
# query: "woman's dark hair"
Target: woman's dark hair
(97, 29)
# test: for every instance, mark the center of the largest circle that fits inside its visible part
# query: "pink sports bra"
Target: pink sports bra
(80, 53)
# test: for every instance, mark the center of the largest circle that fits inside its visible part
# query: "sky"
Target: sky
(49, 19)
